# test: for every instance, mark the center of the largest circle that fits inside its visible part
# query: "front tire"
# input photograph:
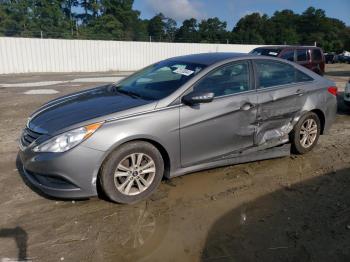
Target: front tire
(306, 133)
(132, 172)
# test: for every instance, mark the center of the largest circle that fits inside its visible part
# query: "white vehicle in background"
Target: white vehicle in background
(347, 94)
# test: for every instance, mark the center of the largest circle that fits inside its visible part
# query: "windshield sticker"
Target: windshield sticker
(183, 71)
(273, 53)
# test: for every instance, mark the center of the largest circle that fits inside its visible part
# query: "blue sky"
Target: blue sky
(232, 10)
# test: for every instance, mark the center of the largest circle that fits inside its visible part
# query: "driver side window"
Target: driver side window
(229, 79)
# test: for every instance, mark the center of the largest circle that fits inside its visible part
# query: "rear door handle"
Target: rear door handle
(247, 106)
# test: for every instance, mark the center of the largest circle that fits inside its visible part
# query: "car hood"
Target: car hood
(79, 107)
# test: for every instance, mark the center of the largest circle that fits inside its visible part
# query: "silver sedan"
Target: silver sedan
(174, 117)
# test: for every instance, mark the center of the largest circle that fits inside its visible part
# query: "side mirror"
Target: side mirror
(194, 98)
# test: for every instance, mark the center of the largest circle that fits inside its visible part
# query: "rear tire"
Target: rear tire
(132, 172)
(305, 134)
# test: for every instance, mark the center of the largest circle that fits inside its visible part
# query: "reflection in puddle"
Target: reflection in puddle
(128, 233)
(136, 228)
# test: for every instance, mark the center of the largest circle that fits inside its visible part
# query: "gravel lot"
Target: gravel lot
(290, 209)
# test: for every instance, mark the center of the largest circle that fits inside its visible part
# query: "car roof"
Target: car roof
(208, 58)
(287, 46)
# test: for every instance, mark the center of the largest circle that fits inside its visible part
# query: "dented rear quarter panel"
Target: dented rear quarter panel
(280, 108)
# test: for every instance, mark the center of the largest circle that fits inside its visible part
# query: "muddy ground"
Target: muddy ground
(289, 209)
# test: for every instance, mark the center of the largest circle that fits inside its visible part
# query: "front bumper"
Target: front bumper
(71, 174)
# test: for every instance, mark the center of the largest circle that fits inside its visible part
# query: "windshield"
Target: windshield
(159, 80)
(266, 51)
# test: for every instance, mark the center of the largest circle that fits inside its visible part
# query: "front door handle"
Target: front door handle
(247, 106)
(299, 92)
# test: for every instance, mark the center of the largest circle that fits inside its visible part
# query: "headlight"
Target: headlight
(67, 140)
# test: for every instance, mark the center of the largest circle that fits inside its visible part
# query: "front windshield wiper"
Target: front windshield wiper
(129, 93)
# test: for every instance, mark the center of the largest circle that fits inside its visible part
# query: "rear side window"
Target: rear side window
(302, 77)
(302, 55)
(271, 73)
(288, 55)
(316, 55)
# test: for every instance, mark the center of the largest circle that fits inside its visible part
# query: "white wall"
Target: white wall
(30, 55)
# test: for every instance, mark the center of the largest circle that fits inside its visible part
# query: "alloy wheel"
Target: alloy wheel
(134, 174)
(308, 133)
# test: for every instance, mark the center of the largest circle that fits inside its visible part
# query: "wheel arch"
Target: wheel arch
(164, 153)
(322, 118)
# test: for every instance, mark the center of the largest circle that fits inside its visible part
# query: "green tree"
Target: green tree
(68, 10)
(170, 29)
(156, 27)
(161, 28)
(49, 17)
(140, 30)
(112, 19)
(212, 30)
(314, 26)
(91, 10)
(250, 29)
(346, 38)
(188, 32)
(16, 18)
(283, 27)
(122, 11)
(3, 19)
(105, 27)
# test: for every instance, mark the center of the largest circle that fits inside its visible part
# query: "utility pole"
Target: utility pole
(150, 38)
(41, 34)
(76, 28)
(70, 17)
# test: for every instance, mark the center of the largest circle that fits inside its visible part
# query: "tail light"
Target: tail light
(333, 90)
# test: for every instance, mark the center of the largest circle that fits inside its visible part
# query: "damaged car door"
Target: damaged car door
(217, 127)
(282, 92)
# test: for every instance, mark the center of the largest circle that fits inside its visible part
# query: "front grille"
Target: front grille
(28, 137)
